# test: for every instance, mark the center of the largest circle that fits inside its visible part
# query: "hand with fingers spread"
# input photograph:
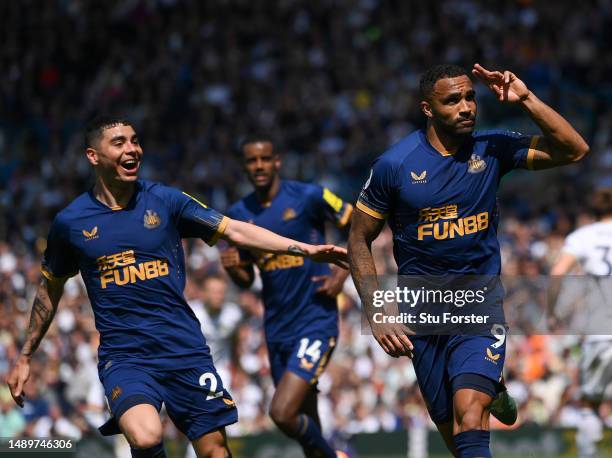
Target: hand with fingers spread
(323, 253)
(507, 86)
(19, 375)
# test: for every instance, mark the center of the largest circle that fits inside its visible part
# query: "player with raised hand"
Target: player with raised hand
(437, 189)
(590, 248)
(124, 237)
(301, 316)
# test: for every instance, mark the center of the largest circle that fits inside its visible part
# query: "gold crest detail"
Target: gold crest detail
(491, 356)
(288, 214)
(304, 364)
(419, 178)
(151, 219)
(229, 402)
(90, 235)
(116, 393)
(476, 164)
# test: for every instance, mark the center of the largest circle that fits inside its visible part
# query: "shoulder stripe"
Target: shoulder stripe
(193, 198)
(220, 231)
(364, 208)
(49, 275)
(346, 216)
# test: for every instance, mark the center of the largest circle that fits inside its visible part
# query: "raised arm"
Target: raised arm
(247, 235)
(44, 307)
(560, 143)
(364, 230)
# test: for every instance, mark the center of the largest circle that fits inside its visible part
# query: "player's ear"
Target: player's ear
(426, 108)
(277, 162)
(92, 156)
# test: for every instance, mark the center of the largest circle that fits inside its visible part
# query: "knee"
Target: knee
(472, 418)
(212, 450)
(144, 436)
(280, 415)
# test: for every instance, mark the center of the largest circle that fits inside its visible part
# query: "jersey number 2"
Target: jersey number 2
(212, 389)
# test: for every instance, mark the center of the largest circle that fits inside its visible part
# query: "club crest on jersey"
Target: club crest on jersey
(151, 219)
(419, 178)
(288, 214)
(91, 235)
(476, 164)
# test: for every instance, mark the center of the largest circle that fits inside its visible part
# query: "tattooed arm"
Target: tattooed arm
(364, 229)
(43, 310)
(250, 236)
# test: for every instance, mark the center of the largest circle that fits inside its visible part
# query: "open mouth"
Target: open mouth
(130, 165)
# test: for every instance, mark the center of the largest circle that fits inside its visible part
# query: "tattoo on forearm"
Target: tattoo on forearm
(363, 271)
(296, 250)
(40, 320)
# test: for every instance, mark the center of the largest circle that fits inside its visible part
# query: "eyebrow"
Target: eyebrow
(458, 94)
(122, 138)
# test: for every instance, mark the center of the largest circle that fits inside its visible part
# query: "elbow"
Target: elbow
(580, 152)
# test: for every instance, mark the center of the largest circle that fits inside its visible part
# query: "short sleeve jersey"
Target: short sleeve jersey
(592, 247)
(132, 262)
(298, 211)
(442, 209)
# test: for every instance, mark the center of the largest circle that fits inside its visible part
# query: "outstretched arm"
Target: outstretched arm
(44, 307)
(364, 229)
(247, 235)
(560, 143)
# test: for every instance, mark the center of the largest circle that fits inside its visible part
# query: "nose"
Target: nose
(465, 109)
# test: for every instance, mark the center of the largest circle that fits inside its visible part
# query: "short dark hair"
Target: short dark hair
(438, 72)
(257, 137)
(601, 201)
(97, 125)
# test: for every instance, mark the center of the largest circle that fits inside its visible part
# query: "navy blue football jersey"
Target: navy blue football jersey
(298, 211)
(132, 262)
(442, 209)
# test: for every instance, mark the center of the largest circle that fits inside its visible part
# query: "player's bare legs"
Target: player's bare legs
(471, 423)
(212, 445)
(446, 431)
(142, 428)
(286, 410)
(470, 408)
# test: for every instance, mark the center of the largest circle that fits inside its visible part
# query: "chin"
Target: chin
(464, 131)
(127, 178)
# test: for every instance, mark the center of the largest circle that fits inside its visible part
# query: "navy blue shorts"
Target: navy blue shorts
(195, 398)
(438, 360)
(306, 356)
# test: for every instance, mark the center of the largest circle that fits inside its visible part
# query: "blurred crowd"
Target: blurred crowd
(335, 82)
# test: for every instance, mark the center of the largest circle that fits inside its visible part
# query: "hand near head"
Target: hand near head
(507, 86)
(19, 375)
